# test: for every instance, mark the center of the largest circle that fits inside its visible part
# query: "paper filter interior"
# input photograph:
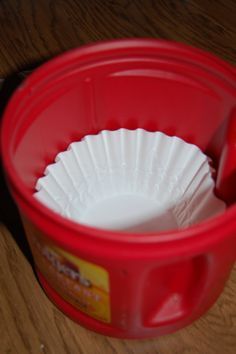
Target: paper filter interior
(131, 180)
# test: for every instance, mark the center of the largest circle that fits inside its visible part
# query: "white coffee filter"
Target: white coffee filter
(131, 180)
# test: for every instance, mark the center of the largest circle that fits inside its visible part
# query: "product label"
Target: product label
(83, 284)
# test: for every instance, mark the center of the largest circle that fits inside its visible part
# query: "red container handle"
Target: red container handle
(187, 297)
(226, 178)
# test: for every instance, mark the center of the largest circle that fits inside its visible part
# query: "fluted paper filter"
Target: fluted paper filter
(131, 180)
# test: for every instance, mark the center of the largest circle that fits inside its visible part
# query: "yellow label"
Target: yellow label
(83, 284)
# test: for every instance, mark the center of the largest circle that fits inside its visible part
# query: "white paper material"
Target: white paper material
(131, 180)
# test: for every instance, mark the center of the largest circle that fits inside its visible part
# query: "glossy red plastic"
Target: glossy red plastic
(159, 282)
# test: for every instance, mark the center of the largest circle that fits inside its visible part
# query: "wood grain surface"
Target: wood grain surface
(32, 31)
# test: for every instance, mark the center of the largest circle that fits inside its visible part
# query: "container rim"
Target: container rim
(35, 211)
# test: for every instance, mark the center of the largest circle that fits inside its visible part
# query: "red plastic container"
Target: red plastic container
(125, 285)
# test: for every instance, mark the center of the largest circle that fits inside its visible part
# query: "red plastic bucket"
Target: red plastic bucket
(125, 285)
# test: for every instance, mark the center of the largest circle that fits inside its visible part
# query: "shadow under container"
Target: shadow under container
(125, 285)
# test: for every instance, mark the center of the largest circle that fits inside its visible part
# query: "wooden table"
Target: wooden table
(30, 32)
